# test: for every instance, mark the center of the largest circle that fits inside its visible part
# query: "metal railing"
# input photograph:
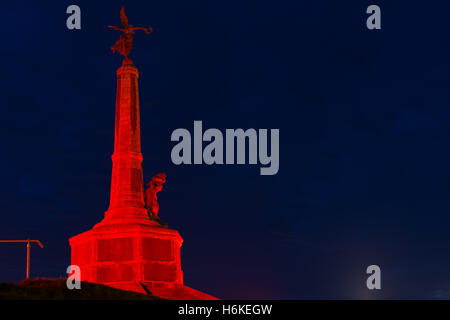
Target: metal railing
(28, 242)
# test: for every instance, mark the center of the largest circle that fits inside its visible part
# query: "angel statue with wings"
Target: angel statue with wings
(125, 42)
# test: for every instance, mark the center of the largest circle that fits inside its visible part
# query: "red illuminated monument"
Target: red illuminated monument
(130, 248)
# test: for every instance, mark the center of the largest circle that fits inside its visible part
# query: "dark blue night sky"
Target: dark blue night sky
(364, 119)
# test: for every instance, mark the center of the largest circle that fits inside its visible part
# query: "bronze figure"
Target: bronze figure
(125, 42)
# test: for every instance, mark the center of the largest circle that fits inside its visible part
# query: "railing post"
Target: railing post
(28, 259)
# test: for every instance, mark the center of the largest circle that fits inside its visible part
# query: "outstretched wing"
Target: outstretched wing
(123, 17)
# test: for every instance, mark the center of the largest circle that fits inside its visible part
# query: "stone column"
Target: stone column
(127, 194)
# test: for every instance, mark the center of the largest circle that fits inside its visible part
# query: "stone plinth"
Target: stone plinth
(135, 257)
(118, 253)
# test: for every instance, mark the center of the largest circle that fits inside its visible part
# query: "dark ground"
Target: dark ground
(56, 289)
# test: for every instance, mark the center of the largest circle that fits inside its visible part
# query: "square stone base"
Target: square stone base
(112, 253)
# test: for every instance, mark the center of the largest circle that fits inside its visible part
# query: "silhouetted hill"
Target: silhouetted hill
(56, 289)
